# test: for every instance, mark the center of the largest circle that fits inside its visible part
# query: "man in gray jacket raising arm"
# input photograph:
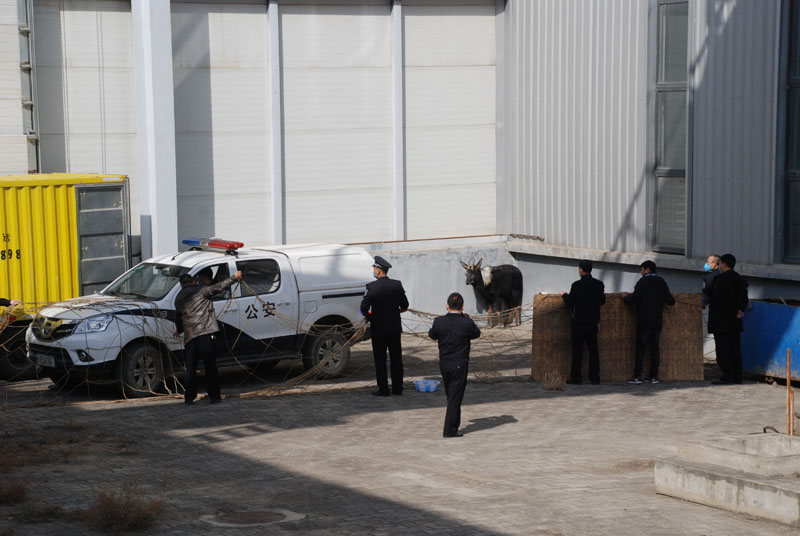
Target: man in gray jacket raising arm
(197, 320)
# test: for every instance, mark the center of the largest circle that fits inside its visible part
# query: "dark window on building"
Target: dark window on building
(670, 173)
(792, 174)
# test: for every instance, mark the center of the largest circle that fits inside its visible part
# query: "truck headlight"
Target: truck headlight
(94, 324)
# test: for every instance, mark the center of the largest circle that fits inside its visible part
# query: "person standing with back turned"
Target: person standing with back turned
(649, 294)
(584, 299)
(725, 311)
(454, 331)
(383, 302)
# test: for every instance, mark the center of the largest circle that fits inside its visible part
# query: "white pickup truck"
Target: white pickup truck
(294, 301)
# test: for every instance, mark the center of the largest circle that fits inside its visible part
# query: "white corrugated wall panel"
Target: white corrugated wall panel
(86, 101)
(734, 138)
(13, 155)
(337, 89)
(450, 119)
(576, 121)
(13, 144)
(335, 215)
(222, 138)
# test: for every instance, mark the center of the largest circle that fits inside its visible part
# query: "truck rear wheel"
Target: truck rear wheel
(141, 371)
(329, 349)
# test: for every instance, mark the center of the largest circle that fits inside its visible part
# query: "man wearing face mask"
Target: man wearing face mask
(711, 268)
(383, 302)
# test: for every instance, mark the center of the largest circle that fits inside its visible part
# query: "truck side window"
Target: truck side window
(262, 276)
(217, 273)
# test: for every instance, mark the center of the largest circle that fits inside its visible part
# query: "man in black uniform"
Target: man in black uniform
(197, 320)
(584, 299)
(383, 302)
(725, 312)
(454, 331)
(650, 294)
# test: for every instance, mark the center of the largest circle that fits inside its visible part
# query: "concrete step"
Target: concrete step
(760, 454)
(775, 497)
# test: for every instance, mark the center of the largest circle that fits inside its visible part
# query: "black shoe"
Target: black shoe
(457, 434)
(216, 400)
(381, 393)
(188, 402)
(595, 382)
(573, 382)
(397, 393)
(720, 382)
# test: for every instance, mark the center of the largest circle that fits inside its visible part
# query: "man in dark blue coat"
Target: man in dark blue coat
(649, 295)
(725, 311)
(383, 302)
(454, 331)
(584, 299)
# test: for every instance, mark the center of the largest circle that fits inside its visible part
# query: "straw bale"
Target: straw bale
(681, 339)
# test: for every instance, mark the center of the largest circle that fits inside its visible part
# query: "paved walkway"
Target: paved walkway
(572, 462)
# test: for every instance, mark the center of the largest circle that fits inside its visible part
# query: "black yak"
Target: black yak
(500, 286)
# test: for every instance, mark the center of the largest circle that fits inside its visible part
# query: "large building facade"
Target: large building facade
(614, 130)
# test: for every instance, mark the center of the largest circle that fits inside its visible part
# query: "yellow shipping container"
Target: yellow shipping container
(61, 235)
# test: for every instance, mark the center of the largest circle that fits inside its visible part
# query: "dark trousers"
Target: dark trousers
(729, 355)
(454, 378)
(201, 347)
(585, 333)
(380, 343)
(647, 337)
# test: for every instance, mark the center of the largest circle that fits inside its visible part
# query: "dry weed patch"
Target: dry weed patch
(61, 443)
(123, 510)
(12, 492)
(553, 380)
(39, 513)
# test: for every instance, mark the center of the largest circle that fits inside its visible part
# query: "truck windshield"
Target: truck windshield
(147, 280)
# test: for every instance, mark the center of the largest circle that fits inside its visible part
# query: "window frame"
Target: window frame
(664, 172)
(243, 291)
(225, 294)
(790, 177)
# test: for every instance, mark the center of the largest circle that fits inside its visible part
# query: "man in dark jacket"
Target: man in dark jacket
(650, 294)
(383, 302)
(454, 331)
(196, 319)
(584, 300)
(725, 311)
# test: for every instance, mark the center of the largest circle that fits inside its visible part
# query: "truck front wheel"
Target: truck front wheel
(14, 364)
(329, 349)
(141, 371)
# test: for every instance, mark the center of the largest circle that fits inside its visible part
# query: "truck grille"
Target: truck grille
(59, 355)
(52, 328)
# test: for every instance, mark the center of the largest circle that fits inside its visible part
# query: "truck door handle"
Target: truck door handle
(279, 304)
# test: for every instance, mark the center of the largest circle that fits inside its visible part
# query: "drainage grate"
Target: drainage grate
(252, 519)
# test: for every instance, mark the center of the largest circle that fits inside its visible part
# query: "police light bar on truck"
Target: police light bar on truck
(228, 246)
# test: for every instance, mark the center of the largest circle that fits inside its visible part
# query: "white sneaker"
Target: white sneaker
(635, 381)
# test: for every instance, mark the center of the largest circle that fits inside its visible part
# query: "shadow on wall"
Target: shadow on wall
(194, 126)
